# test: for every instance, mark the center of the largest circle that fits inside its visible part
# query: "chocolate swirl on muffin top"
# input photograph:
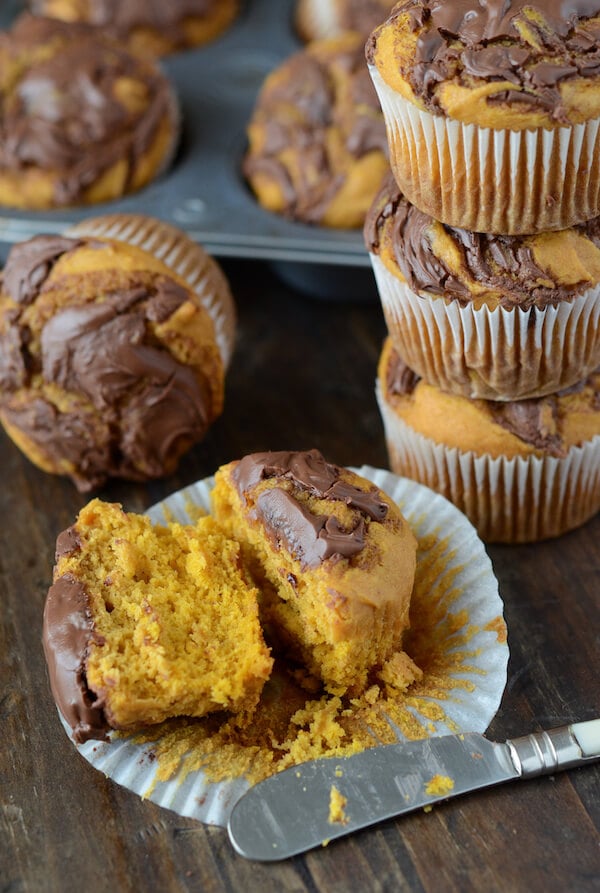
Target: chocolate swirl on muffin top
(458, 264)
(531, 46)
(311, 537)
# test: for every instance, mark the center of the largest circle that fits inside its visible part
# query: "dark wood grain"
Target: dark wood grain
(303, 375)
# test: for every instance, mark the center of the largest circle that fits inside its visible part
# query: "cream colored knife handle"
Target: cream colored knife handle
(542, 752)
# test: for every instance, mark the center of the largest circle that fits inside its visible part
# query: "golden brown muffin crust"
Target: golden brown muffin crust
(83, 119)
(317, 145)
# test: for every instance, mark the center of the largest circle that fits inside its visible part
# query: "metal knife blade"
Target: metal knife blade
(295, 810)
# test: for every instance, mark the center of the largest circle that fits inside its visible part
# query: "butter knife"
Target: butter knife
(315, 802)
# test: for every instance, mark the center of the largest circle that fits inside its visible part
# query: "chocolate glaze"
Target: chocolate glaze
(311, 538)
(466, 39)
(63, 114)
(296, 114)
(30, 263)
(526, 419)
(504, 264)
(147, 406)
(67, 631)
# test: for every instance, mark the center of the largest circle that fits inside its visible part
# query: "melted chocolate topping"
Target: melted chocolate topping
(504, 264)
(297, 114)
(533, 44)
(148, 406)
(67, 632)
(63, 113)
(311, 538)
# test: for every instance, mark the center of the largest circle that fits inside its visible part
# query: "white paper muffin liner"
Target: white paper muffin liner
(182, 255)
(495, 181)
(469, 707)
(507, 500)
(494, 354)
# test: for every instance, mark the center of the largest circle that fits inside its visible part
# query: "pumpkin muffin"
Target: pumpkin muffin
(521, 471)
(497, 317)
(110, 365)
(317, 148)
(320, 19)
(145, 623)
(155, 28)
(493, 110)
(332, 556)
(84, 120)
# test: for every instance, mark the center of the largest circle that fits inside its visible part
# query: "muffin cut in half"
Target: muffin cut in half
(332, 556)
(145, 623)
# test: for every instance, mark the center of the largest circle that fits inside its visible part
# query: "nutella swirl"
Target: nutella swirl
(532, 45)
(503, 264)
(64, 113)
(131, 406)
(67, 631)
(299, 110)
(311, 538)
(526, 419)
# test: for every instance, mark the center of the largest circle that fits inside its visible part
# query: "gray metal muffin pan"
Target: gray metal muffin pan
(203, 191)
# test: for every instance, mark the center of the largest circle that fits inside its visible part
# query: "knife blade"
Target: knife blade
(318, 801)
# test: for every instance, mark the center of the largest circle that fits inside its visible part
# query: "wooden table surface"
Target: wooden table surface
(302, 376)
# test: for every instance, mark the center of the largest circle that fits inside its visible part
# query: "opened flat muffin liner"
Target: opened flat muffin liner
(516, 500)
(182, 255)
(456, 622)
(494, 181)
(493, 354)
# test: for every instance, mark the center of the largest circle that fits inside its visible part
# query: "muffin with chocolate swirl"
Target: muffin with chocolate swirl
(521, 470)
(155, 28)
(332, 556)
(320, 19)
(83, 119)
(493, 110)
(496, 317)
(112, 362)
(317, 146)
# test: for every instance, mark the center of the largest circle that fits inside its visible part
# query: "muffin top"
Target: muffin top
(125, 17)
(108, 361)
(457, 264)
(548, 425)
(316, 118)
(500, 64)
(74, 103)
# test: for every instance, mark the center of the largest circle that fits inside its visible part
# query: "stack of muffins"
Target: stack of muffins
(485, 245)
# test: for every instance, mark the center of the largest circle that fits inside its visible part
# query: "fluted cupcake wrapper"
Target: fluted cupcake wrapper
(519, 500)
(464, 595)
(493, 354)
(495, 181)
(182, 255)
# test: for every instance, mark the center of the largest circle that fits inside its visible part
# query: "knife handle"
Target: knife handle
(543, 752)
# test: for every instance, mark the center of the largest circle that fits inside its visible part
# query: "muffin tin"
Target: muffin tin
(203, 192)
